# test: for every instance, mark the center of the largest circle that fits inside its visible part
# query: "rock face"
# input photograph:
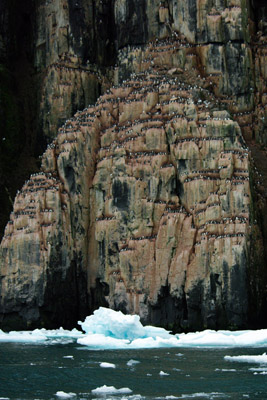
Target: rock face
(145, 202)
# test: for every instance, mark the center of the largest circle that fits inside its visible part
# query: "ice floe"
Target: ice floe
(225, 370)
(210, 338)
(213, 395)
(39, 335)
(258, 369)
(262, 359)
(65, 395)
(108, 329)
(107, 365)
(162, 373)
(111, 390)
(131, 362)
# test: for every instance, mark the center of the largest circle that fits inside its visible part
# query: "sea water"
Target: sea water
(74, 365)
(54, 371)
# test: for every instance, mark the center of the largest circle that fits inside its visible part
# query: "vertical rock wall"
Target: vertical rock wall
(146, 201)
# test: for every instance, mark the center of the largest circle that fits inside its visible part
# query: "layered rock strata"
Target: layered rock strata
(148, 201)
(65, 57)
(143, 204)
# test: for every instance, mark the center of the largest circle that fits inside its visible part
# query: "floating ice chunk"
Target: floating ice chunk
(213, 395)
(225, 370)
(228, 370)
(39, 335)
(22, 336)
(211, 338)
(107, 365)
(108, 329)
(131, 362)
(133, 397)
(162, 373)
(155, 342)
(258, 369)
(65, 395)
(61, 333)
(101, 341)
(117, 325)
(111, 390)
(262, 359)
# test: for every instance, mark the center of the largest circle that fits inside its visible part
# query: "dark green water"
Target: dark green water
(39, 371)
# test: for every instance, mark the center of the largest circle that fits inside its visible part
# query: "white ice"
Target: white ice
(111, 390)
(39, 335)
(213, 395)
(258, 369)
(23, 336)
(225, 369)
(262, 359)
(209, 338)
(107, 365)
(108, 329)
(162, 373)
(131, 362)
(65, 395)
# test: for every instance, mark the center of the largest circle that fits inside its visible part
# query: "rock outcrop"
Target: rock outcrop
(145, 202)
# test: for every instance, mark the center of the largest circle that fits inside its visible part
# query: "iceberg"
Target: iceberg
(109, 329)
(117, 325)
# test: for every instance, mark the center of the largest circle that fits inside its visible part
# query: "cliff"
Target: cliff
(148, 201)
